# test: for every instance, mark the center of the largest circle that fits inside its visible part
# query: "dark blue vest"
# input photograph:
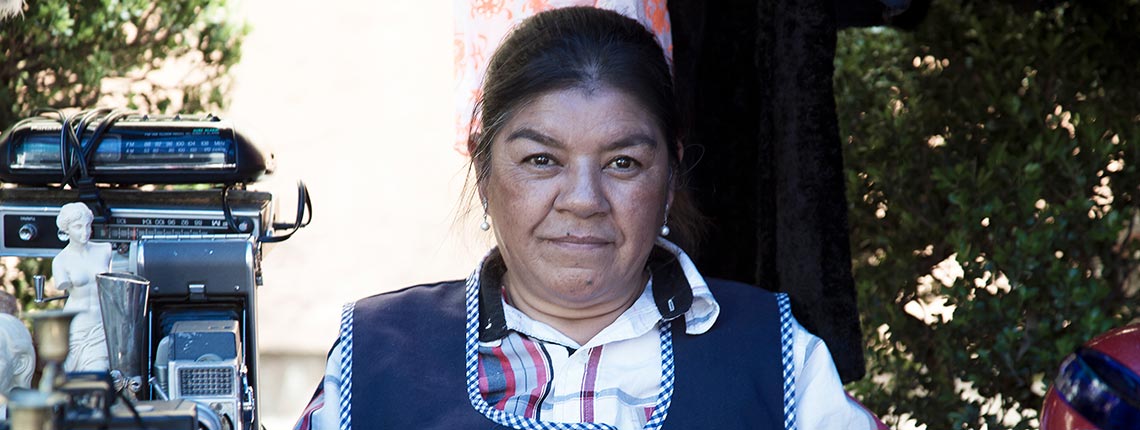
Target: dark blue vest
(408, 363)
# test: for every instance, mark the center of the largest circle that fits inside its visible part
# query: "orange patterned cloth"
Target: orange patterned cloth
(480, 25)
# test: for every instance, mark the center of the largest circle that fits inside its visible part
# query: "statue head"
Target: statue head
(17, 357)
(75, 220)
(11, 8)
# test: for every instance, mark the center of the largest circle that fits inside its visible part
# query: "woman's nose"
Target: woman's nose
(582, 192)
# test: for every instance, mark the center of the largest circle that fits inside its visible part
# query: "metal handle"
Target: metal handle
(39, 281)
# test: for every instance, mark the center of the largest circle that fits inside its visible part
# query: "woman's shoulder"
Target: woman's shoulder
(416, 298)
(745, 306)
(739, 291)
(401, 316)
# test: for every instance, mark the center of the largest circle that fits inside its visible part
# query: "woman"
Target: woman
(584, 315)
(74, 270)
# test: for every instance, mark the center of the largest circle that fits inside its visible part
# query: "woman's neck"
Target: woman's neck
(580, 322)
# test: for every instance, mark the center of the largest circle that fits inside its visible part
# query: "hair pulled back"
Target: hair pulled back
(587, 49)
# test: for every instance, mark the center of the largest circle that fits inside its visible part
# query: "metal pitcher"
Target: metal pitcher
(123, 297)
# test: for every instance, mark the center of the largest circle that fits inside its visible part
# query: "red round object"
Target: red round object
(1121, 345)
(1057, 415)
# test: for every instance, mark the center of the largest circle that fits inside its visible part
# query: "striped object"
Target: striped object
(788, 358)
(520, 422)
(346, 367)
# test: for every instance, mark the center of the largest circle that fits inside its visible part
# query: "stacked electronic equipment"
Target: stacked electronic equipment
(170, 194)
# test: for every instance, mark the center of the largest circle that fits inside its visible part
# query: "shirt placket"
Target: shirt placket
(567, 402)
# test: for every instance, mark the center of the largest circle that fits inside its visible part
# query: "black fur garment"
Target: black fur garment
(755, 81)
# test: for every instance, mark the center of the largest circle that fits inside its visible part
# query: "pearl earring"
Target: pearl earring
(485, 225)
(665, 225)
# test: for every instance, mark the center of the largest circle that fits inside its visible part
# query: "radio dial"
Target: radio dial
(27, 232)
(244, 225)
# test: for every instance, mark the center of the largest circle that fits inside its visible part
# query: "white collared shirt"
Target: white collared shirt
(537, 372)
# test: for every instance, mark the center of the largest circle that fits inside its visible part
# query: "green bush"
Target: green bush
(1005, 141)
(154, 57)
(60, 53)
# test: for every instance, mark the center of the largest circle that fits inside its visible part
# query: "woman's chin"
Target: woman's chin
(584, 287)
(579, 254)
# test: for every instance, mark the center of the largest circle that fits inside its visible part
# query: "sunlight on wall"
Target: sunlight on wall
(354, 98)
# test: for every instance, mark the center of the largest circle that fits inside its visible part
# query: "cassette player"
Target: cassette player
(134, 149)
(28, 218)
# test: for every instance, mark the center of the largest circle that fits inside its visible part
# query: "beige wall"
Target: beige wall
(355, 98)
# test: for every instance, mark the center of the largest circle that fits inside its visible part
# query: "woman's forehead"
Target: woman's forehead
(575, 114)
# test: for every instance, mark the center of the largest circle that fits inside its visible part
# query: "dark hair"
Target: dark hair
(589, 49)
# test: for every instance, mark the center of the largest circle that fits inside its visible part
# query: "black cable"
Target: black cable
(64, 137)
(86, 157)
(104, 125)
(87, 116)
(78, 174)
(64, 146)
(226, 210)
(70, 144)
(304, 205)
(67, 139)
(74, 160)
(303, 192)
(74, 136)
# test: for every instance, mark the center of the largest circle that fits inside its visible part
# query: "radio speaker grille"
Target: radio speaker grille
(206, 381)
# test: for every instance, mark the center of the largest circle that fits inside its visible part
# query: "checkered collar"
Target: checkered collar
(678, 290)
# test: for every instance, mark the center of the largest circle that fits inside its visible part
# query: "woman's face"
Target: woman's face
(577, 191)
(79, 231)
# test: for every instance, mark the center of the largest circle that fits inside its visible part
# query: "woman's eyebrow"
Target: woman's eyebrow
(534, 135)
(636, 139)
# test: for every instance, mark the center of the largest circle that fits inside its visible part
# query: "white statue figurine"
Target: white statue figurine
(17, 358)
(74, 270)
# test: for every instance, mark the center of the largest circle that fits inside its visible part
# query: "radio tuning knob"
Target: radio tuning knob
(27, 232)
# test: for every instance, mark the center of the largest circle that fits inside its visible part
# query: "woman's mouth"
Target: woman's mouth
(583, 241)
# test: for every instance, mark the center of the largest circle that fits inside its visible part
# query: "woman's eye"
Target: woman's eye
(539, 160)
(623, 163)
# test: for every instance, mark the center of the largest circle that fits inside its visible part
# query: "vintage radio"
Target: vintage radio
(133, 149)
(27, 217)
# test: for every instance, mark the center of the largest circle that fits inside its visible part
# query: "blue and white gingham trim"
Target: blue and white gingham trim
(514, 421)
(787, 354)
(346, 366)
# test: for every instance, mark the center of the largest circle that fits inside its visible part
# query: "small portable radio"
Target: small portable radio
(136, 149)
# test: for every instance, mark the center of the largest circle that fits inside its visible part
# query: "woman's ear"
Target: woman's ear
(680, 154)
(675, 175)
